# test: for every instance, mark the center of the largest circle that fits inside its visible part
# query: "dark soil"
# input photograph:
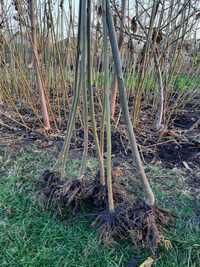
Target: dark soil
(179, 143)
(177, 153)
(185, 120)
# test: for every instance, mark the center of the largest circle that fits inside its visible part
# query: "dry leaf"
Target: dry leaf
(147, 263)
(117, 172)
(167, 244)
(170, 133)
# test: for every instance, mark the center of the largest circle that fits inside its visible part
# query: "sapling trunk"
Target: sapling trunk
(91, 97)
(60, 164)
(149, 196)
(159, 117)
(102, 127)
(32, 15)
(83, 75)
(107, 116)
(120, 42)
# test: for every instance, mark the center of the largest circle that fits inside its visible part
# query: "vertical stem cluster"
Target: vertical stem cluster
(83, 81)
(91, 98)
(60, 164)
(107, 115)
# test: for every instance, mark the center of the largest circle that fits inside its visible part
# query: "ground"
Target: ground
(32, 235)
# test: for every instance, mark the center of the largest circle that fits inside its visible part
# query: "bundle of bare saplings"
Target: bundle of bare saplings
(116, 212)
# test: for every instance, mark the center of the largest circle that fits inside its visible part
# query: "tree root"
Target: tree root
(137, 221)
(74, 191)
(66, 193)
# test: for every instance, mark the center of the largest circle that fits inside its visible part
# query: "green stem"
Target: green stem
(108, 117)
(91, 97)
(60, 164)
(84, 88)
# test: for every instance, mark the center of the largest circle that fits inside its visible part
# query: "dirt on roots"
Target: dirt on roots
(134, 220)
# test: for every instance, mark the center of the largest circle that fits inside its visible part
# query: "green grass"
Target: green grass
(185, 82)
(32, 236)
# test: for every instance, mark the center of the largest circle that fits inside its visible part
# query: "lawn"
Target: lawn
(32, 235)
